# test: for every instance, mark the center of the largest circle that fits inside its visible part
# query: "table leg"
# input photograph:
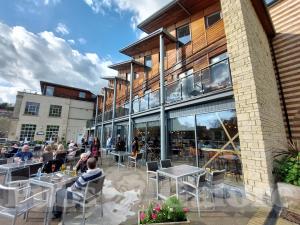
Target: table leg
(177, 188)
(157, 185)
(51, 200)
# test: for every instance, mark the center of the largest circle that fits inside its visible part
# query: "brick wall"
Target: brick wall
(261, 128)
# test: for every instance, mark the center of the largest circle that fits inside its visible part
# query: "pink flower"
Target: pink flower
(142, 216)
(157, 208)
(154, 216)
(185, 210)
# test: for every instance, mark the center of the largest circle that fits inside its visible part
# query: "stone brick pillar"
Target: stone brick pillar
(260, 122)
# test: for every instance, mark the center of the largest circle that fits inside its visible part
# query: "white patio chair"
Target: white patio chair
(92, 192)
(196, 188)
(134, 160)
(15, 200)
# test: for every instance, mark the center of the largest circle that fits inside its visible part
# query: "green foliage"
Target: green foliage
(171, 211)
(287, 167)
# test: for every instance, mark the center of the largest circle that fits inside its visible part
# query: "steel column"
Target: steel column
(102, 126)
(130, 109)
(162, 98)
(114, 112)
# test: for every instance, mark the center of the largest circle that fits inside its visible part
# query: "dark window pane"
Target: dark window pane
(212, 19)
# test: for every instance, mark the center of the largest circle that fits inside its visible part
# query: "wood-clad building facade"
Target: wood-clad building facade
(201, 85)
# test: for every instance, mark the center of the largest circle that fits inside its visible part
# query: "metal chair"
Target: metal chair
(11, 206)
(196, 188)
(20, 174)
(134, 160)
(3, 161)
(165, 163)
(33, 169)
(152, 168)
(92, 192)
(215, 180)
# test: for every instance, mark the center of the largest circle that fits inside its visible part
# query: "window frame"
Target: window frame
(49, 88)
(55, 114)
(27, 129)
(190, 35)
(50, 131)
(29, 108)
(146, 58)
(212, 14)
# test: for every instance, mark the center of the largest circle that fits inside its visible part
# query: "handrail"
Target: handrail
(197, 72)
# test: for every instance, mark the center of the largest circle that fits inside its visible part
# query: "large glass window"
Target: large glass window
(148, 61)
(52, 132)
(183, 34)
(212, 19)
(55, 110)
(182, 139)
(49, 91)
(81, 94)
(27, 132)
(32, 108)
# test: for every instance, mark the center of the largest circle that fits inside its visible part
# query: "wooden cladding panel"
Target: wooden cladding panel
(286, 16)
(215, 32)
(198, 32)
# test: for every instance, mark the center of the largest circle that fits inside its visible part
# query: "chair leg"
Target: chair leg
(64, 210)
(83, 215)
(197, 200)
(101, 203)
(14, 220)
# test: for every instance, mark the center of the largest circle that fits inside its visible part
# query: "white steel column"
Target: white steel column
(102, 126)
(162, 98)
(130, 108)
(114, 112)
(96, 115)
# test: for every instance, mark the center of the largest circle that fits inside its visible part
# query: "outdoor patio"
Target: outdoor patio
(126, 191)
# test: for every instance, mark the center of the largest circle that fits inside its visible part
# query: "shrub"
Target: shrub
(287, 165)
(171, 211)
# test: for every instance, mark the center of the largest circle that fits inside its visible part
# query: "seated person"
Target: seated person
(47, 154)
(82, 163)
(3, 151)
(14, 149)
(78, 188)
(24, 155)
(60, 150)
(120, 146)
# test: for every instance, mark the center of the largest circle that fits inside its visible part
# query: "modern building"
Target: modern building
(211, 76)
(57, 113)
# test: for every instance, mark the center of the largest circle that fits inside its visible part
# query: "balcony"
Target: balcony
(108, 115)
(146, 102)
(122, 110)
(212, 78)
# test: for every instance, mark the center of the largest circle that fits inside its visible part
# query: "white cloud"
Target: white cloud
(82, 41)
(54, 2)
(62, 29)
(71, 41)
(140, 9)
(26, 58)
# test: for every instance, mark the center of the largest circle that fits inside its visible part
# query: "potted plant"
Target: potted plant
(170, 212)
(287, 175)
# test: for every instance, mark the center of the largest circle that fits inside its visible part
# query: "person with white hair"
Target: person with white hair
(82, 163)
(24, 155)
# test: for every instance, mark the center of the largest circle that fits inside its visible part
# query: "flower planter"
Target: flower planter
(287, 196)
(187, 222)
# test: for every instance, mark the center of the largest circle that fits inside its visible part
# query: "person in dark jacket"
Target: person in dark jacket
(120, 146)
(95, 149)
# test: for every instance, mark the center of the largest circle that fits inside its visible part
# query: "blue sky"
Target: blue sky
(65, 41)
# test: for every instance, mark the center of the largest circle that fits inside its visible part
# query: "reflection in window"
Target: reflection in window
(148, 61)
(183, 34)
(217, 76)
(182, 139)
(216, 130)
(49, 91)
(81, 94)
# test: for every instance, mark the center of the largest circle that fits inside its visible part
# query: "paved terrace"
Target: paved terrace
(126, 191)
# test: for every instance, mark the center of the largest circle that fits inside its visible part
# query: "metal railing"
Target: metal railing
(147, 101)
(214, 77)
(108, 115)
(90, 123)
(122, 110)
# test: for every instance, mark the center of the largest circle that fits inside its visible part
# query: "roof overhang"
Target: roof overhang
(126, 65)
(115, 78)
(178, 10)
(148, 43)
(173, 12)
